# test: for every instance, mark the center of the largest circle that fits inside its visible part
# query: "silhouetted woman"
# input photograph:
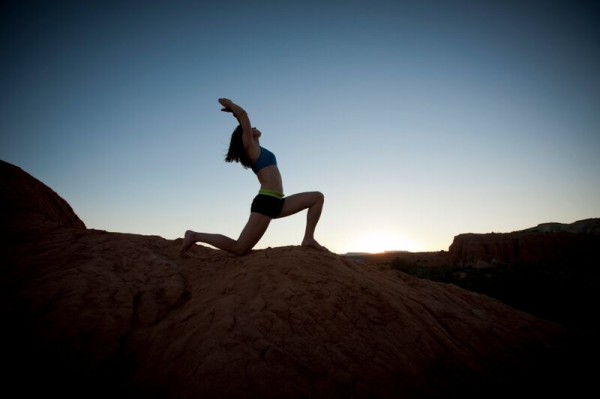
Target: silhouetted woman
(270, 202)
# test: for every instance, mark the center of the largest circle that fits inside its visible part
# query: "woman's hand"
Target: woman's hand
(227, 104)
(239, 113)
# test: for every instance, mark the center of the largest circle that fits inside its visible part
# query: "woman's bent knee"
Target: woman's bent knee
(320, 197)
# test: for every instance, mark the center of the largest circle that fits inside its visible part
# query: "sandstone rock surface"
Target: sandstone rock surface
(94, 313)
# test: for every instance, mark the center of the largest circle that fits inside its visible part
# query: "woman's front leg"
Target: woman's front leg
(298, 202)
(313, 201)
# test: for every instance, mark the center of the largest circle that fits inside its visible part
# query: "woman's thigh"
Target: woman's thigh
(297, 202)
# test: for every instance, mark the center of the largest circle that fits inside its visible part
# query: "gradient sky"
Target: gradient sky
(418, 120)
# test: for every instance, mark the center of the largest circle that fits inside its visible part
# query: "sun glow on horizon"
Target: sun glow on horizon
(378, 241)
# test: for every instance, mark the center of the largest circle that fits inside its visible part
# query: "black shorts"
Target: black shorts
(267, 205)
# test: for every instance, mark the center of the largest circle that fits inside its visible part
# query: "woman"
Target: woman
(270, 202)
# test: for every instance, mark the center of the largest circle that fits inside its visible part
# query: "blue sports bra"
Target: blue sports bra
(266, 158)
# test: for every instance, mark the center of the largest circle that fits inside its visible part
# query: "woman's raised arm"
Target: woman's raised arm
(242, 117)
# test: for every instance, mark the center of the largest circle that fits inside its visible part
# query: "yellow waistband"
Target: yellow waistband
(270, 193)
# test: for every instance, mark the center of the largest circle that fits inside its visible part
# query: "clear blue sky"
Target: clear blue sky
(418, 120)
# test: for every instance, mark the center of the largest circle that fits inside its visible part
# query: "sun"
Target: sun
(380, 241)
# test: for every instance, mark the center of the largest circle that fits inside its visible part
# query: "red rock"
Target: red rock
(91, 312)
(28, 204)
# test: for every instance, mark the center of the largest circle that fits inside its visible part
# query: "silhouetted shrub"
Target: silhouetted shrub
(562, 293)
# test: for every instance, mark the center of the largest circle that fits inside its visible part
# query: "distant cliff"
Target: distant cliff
(545, 244)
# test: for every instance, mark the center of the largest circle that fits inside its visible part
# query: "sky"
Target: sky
(418, 120)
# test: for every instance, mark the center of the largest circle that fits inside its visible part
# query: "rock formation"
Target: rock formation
(545, 244)
(94, 313)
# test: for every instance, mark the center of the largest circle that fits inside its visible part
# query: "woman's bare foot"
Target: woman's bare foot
(313, 244)
(188, 240)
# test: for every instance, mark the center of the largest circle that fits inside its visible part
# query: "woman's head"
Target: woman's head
(236, 152)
